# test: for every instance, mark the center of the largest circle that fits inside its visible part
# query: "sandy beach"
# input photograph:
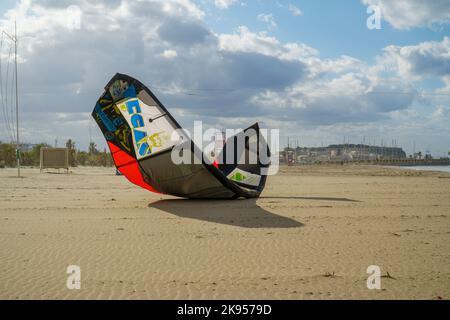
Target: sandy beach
(312, 235)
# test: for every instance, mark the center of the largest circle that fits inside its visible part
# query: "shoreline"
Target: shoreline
(436, 168)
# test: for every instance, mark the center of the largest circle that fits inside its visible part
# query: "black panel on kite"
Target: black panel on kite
(139, 131)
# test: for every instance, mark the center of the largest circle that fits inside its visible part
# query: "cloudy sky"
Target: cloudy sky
(313, 69)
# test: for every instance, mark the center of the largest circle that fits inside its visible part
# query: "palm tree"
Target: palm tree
(71, 146)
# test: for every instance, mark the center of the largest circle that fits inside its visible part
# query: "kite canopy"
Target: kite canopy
(139, 132)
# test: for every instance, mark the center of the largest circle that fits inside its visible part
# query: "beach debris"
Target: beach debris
(388, 276)
(329, 275)
(144, 137)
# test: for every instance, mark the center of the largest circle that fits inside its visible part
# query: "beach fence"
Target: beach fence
(54, 158)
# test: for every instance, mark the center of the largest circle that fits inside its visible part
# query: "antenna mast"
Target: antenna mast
(13, 38)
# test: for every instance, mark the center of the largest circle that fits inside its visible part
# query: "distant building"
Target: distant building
(341, 152)
(417, 155)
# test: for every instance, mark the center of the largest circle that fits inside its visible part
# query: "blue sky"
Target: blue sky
(6, 4)
(319, 74)
(333, 27)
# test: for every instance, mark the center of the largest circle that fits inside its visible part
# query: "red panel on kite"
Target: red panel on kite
(129, 167)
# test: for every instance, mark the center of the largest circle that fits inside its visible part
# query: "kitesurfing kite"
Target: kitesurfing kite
(138, 130)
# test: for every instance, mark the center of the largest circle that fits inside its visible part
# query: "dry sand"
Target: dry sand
(311, 236)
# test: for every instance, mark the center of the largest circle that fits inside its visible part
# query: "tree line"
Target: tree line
(92, 157)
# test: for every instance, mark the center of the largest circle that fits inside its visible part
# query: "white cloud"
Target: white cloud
(446, 87)
(169, 54)
(406, 14)
(295, 10)
(179, 8)
(267, 18)
(349, 97)
(249, 42)
(224, 4)
(441, 112)
(426, 59)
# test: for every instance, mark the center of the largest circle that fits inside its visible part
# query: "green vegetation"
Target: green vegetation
(93, 157)
(32, 158)
(7, 155)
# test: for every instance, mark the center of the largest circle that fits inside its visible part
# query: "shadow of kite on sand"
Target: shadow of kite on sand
(242, 213)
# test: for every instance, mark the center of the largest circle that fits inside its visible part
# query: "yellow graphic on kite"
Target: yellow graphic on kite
(147, 143)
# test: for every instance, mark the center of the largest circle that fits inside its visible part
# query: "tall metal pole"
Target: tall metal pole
(14, 39)
(17, 100)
